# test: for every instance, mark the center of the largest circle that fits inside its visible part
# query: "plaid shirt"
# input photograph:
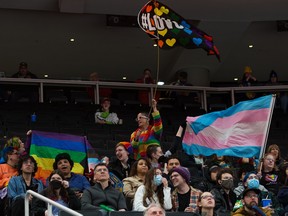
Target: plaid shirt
(194, 195)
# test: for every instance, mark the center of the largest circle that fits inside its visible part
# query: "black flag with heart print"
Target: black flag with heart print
(170, 29)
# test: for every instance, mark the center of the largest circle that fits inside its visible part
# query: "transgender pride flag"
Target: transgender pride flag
(239, 131)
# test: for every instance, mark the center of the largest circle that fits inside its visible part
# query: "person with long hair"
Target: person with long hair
(275, 150)
(269, 173)
(58, 190)
(154, 190)
(18, 185)
(136, 178)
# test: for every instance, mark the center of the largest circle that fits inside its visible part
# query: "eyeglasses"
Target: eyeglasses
(101, 170)
(270, 159)
(252, 196)
(140, 117)
(207, 196)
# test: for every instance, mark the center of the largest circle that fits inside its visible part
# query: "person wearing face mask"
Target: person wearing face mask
(225, 198)
(77, 182)
(184, 196)
(59, 191)
(154, 190)
(251, 181)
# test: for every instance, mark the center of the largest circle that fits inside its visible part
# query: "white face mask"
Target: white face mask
(198, 160)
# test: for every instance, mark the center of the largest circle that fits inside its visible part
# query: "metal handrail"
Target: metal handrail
(49, 202)
(41, 83)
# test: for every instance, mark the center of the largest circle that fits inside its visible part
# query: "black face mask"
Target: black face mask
(55, 184)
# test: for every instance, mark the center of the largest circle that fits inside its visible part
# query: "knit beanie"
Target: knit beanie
(184, 172)
(126, 145)
(62, 156)
(247, 69)
(247, 175)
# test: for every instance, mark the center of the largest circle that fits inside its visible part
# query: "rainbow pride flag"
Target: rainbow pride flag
(240, 130)
(45, 146)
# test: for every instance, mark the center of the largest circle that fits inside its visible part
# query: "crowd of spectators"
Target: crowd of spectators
(201, 185)
(215, 185)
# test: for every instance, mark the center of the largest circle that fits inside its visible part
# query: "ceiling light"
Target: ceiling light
(160, 83)
(72, 39)
(124, 77)
(46, 75)
(250, 46)
(235, 78)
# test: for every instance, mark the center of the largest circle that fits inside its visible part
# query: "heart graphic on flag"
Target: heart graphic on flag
(184, 41)
(174, 17)
(197, 41)
(171, 30)
(164, 10)
(171, 42)
(160, 43)
(149, 8)
(175, 31)
(158, 12)
(163, 32)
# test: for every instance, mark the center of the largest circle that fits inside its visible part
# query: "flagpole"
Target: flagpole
(268, 126)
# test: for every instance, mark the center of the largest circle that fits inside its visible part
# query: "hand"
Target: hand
(136, 139)
(78, 194)
(188, 209)
(65, 184)
(90, 175)
(154, 104)
(30, 197)
(167, 153)
(165, 170)
(165, 182)
(105, 160)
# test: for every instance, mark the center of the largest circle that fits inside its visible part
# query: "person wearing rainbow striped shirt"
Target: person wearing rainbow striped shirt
(146, 134)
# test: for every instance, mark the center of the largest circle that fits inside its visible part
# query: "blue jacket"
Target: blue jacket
(78, 182)
(17, 187)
